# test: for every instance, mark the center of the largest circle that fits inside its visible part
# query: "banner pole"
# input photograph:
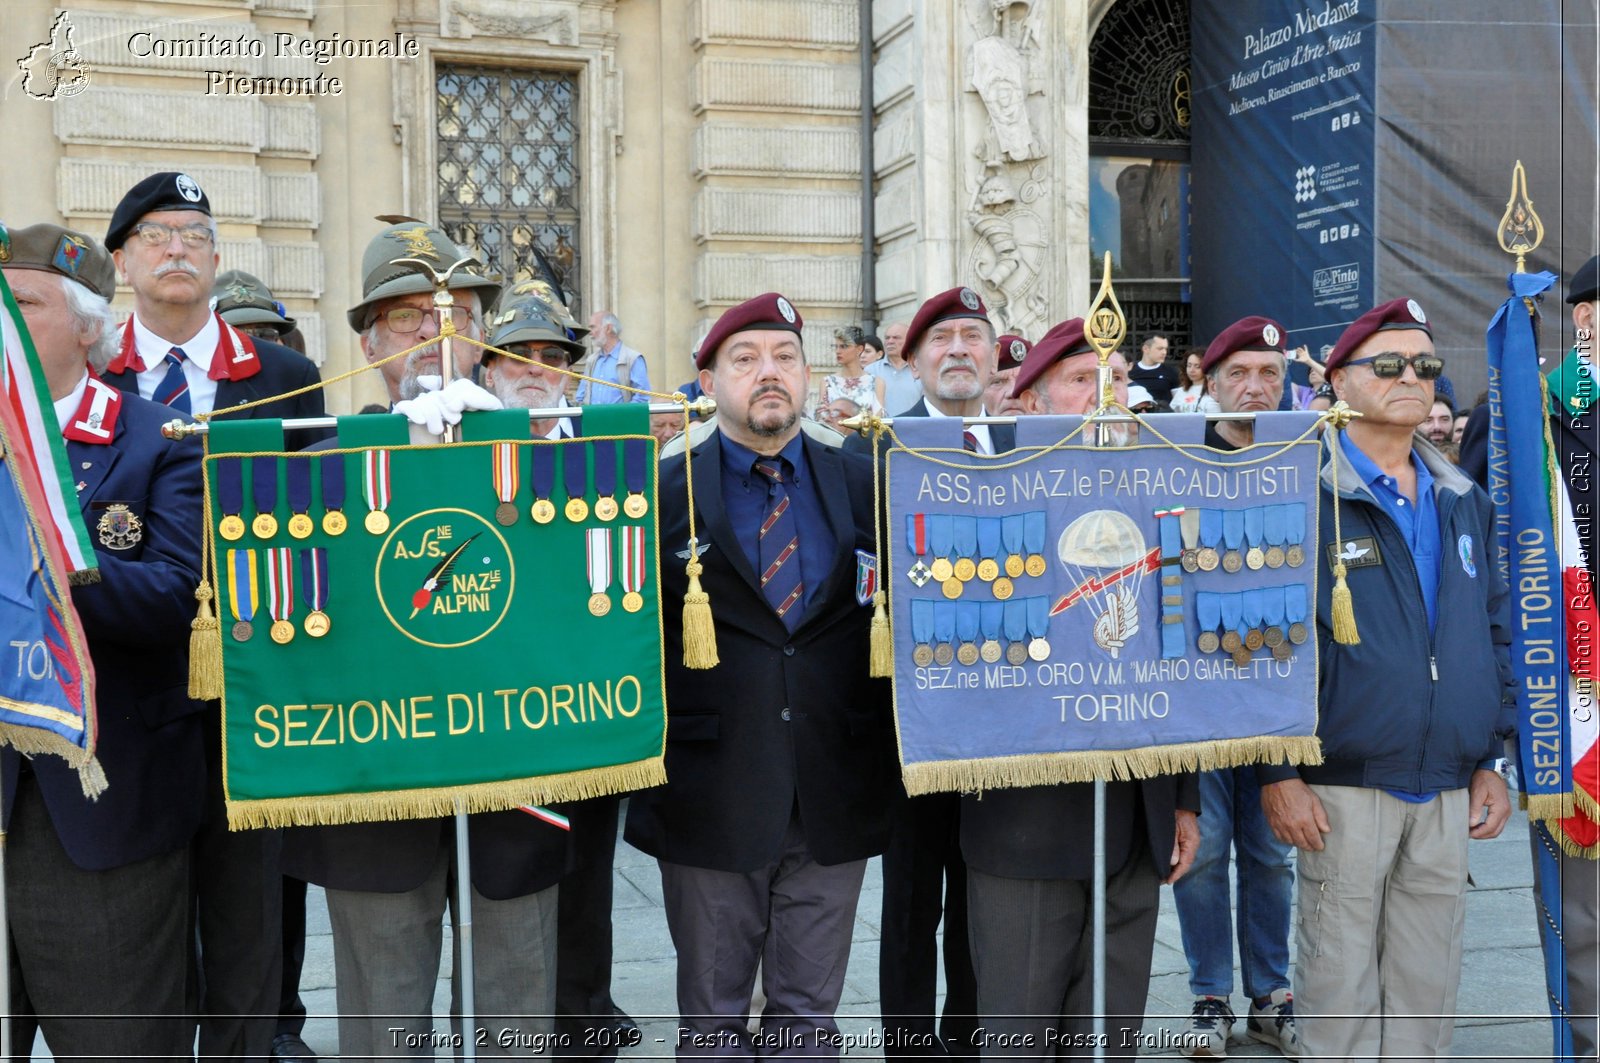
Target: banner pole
(5, 959)
(1098, 997)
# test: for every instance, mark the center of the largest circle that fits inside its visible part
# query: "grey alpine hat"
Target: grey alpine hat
(528, 320)
(384, 278)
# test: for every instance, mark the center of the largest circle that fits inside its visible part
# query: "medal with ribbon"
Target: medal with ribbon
(333, 518)
(922, 632)
(1038, 627)
(544, 483)
(300, 523)
(314, 588)
(967, 632)
(1011, 540)
(1168, 522)
(633, 563)
(230, 498)
(1296, 554)
(988, 547)
(1189, 526)
(280, 592)
(264, 492)
(507, 479)
(1272, 616)
(966, 532)
(1033, 536)
(1233, 536)
(375, 489)
(944, 633)
(941, 536)
(1254, 519)
(1015, 627)
(1276, 532)
(1254, 603)
(605, 479)
(1208, 614)
(1294, 611)
(1210, 539)
(1232, 610)
(242, 592)
(991, 615)
(635, 453)
(597, 544)
(575, 478)
(917, 543)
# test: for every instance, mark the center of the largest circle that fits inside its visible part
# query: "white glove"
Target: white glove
(434, 409)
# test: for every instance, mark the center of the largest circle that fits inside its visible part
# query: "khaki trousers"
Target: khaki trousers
(1381, 912)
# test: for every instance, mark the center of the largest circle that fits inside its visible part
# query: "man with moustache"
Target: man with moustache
(780, 758)
(1412, 727)
(388, 883)
(1029, 851)
(1010, 353)
(901, 389)
(178, 352)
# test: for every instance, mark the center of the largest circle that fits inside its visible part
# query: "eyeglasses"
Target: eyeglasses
(1390, 366)
(405, 320)
(155, 234)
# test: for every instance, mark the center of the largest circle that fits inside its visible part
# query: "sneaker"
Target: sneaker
(1205, 1035)
(1274, 1024)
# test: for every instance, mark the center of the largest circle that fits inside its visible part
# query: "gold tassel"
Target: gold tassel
(882, 659)
(699, 632)
(1344, 611)
(205, 648)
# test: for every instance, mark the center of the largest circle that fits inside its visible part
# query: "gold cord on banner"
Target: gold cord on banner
(205, 632)
(1338, 418)
(880, 661)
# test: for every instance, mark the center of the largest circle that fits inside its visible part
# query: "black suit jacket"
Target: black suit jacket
(785, 723)
(136, 622)
(1003, 436)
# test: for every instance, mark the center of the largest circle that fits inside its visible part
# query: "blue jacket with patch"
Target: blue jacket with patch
(1405, 709)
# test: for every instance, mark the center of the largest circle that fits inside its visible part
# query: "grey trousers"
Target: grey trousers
(795, 918)
(1580, 935)
(386, 949)
(87, 944)
(1032, 949)
(1381, 914)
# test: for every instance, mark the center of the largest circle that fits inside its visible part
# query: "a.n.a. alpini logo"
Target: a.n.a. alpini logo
(54, 69)
(445, 578)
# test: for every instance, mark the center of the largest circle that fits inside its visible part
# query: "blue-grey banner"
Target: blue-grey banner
(1064, 612)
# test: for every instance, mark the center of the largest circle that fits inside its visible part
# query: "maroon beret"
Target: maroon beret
(1246, 334)
(957, 302)
(1396, 314)
(769, 312)
(1063, 341)
(1013, 350)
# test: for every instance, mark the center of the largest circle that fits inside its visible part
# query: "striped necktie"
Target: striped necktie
(969, 440)
(174, 387)
(779, 550)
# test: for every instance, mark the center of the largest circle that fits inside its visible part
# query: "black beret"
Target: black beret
(160, 191)
(1585, 284)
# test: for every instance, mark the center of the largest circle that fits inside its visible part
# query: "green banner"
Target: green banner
(416, 626)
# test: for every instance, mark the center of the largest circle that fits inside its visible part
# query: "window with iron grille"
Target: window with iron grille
(508, 169)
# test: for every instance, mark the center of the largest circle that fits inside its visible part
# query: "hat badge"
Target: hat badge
(241, 293)
(187, 188)
(1269, 334)
(785, 309)
(418, 242)
(1017, 349)
(1416, 312)
(969, 299)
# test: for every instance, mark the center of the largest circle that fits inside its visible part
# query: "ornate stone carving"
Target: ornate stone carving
(1000, 77)
(553, 23)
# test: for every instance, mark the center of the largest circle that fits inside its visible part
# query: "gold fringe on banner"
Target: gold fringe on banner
(334, 809)
(1046, 769)
(31, 742)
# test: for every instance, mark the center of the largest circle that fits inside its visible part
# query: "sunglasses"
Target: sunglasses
(1390, 366)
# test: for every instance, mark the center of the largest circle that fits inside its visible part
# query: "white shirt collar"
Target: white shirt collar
(980, 432)
(562, 429)
(198, 348)
(68, 406)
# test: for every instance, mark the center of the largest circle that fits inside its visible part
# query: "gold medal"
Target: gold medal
(577, 510)
(1253, 640)
(633, 601)
(300, 526)
(952, 588)
(1231, 641)
(943, 654)
(605, 508)
(1190, 559)
(1274, 557)
(1034, 566)
(1015, 566)
(242, 631)
(1282, 651)
(231, 528)
(922, 656)
(265, 526)
(1016, 653)
(282, 632)
(942, 569)
(334, 522)
(1273, 637)
(1207, 559)
(635, 506)
(317, 623)
(1003, 589)
(1232, 562)
(506, 513)
(965, 569)
(988, 569)
(543, 511)
(599, 604)
(1039, 649)
(1255, 558)
(990, 651)
(967, 654)
(1298, 634)
(1295, 555)
(376, 522)
(1207, 642)
(1241, 656)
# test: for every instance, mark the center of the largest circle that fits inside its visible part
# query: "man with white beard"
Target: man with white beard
(523, 328)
